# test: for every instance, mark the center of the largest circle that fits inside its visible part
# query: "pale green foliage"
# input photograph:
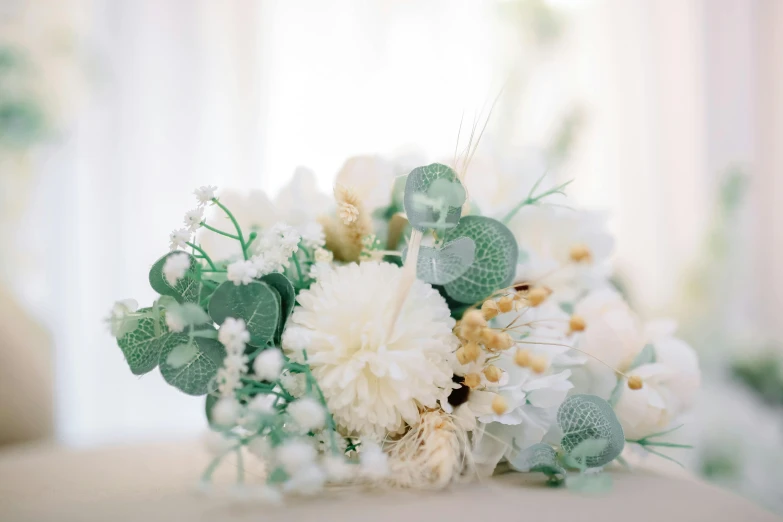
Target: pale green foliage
(587, 417)
(181, 354)
(537, 458)
(646, 356)
(187, 289)
(193, 377)
(495, 260)
(258, 304)
(439, 266)
(287, 294)
(142, 345)
(433, 197)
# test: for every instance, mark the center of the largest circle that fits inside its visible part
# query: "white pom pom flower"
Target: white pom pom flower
(269, 364)
(308, 414)
(175, 267)
(374, 381)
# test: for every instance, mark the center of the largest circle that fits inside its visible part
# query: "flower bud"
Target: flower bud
(577, 323)
(493, 373)
(537, 296)
(539, 363)
(490, 309)
(474, 319)
(472, 380)
(580, 253)
(523, 358)
(635, 382)
(505, 304)
(499, 405)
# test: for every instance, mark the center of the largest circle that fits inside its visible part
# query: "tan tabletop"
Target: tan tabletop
(151, 483)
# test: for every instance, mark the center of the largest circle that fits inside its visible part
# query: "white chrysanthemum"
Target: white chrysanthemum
(374, 381)
(179, 239)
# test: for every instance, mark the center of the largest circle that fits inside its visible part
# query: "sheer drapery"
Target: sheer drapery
(238, 93)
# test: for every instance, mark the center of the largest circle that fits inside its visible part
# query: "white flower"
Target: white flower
(253, 211)
(293, 383)
(478, 404)
(175, 267)
(313, 235)
(554, 239)
(233, 335)
(205, 194)
(300, 201)
(373, 462)
(307, 480)
(338, 469)
(612, 338)
(375, 381)
(263, 404)
(371, 177)
(226, 412)
(268, 364)
(323, 256)
(179, 238)
(294, 455)
(260, 448)
(308, 414)
(531, 402)
(193, 218)
(175, 321)
(242, 272)
(118, 320)
(669, 385)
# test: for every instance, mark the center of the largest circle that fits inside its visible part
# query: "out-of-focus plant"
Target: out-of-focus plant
(763, 374)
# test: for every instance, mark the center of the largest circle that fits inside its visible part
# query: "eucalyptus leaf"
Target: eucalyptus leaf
(181, 354)
(143, 345)
(187, 289)
(588, 417)
(646, 356)
(495, 260)
(537, 458)
(439, 266)
(588, 448)
(194, 376)
(433, 197)
(190, 314)
(287, 293)
(257, 303)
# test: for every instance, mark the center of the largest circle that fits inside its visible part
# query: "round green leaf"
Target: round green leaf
(537, 458)
(287, 293)
(187, 289)
(140, 346)
(433, 197)
(586, 417)
(439, 266)
(192, 377)
(495, 260)
(257, 303)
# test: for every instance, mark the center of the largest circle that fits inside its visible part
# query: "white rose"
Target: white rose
(669, 386)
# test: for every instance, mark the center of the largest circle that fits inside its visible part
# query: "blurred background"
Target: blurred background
(666, 113)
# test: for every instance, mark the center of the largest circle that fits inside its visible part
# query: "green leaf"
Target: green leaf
(537, 458)
(495, 260)
(195, 375)
(287, 293)
(590, 483)
(588, 448)
(617, 392)
(567, 308)
(143, 345)
(190, 313)
(181, 354)
(257, 303)
(646, 356)
(439, 266)
(187, 289)
(433, 197)
(209, 404)
(587, 417)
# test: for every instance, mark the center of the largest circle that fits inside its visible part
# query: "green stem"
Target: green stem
(206, 256)
(207, 476)
(215, 230)
(298, 270)
(240, 237)
(250, 240)
(329, 419)
(532, 200)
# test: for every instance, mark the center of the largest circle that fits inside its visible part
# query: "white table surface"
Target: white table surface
(158, 482)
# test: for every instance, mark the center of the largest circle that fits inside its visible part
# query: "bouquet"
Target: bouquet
(393, 335)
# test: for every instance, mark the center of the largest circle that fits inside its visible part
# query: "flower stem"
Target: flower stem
(206, 256)
(215, 230)
(298, 270)
(240, 237)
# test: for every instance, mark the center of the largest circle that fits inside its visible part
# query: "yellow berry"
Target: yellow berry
(580, 253)
(471, 352)
(474, 319)
(499, 405)
(472, 380)
(493, 373)
(505, 304)
(537, 296)
(489, 309)
(577, 323)
(522, 358)
(539, 363)
(462, 357)
(635, 382)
